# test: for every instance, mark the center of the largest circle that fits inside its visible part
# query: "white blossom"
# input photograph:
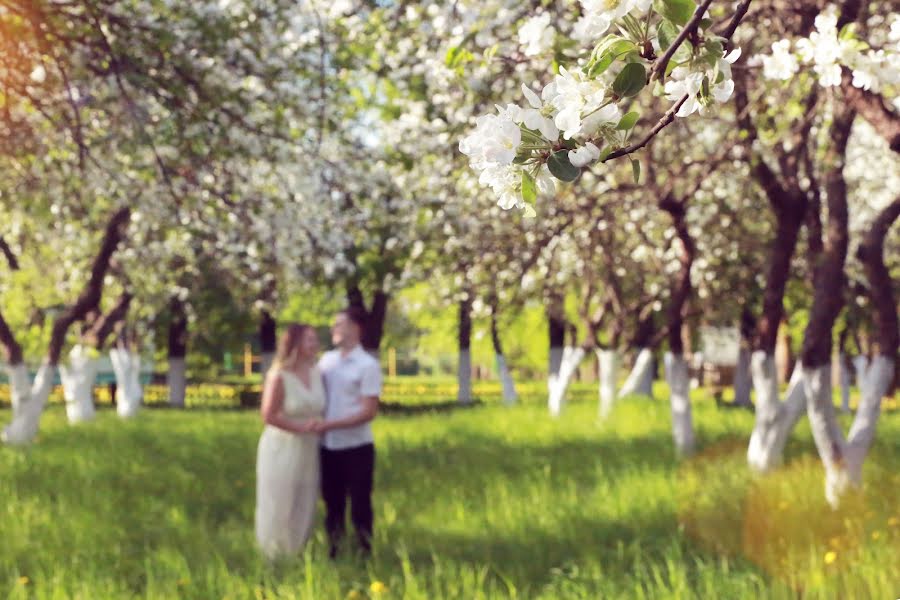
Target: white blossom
(536, 35)
(781, 64)
(584, 155)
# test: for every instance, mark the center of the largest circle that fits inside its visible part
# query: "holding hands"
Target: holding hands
(314, 425)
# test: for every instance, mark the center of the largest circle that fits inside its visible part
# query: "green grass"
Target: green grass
(481, 503)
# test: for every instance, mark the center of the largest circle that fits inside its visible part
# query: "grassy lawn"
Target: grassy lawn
(479, 503)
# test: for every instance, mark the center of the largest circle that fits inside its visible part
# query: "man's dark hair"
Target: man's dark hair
(357, 315)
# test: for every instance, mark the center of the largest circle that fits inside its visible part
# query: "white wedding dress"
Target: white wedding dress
(287, 471)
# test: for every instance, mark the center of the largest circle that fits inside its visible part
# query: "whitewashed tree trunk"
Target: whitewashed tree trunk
(177, 381)
(860, 366)
(679, 386)
(556, 358)
(572, 357)
(78, 379)
(844, 378)
(19, 387)
(609, 374)
(464, 377)
(510, 396)
(637, 379)
(129, 393)
(25, 423)
(646, 386)
(843, 460)
(743, 382)
(774, 419)
(265, 364)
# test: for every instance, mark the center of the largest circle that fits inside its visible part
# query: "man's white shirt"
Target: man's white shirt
(347, 380)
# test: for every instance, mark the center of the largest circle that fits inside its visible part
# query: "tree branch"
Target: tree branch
(8, 253)
(90, 297)
(690, 28)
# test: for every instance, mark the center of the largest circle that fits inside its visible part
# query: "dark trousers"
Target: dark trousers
(350, 473)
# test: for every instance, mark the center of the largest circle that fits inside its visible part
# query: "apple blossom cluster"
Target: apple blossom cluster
(829, 51)
(582, 115)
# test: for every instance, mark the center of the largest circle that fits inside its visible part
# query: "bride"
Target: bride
(287, 462)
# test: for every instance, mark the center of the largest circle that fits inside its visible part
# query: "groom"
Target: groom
(352, 388)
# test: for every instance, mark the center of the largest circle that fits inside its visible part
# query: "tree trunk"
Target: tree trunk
(636, 383)
(26, 420)
(178, 338)
(572, 357)
(556, 322)
(79, 375)
(843, 459)
(129, 393)
(675, 363)
(790, 213)
(464, 367)
(860, 368)
(682, 422)
(608, 360)
(844, 378)
(78, 383)
(774, 419)
(268, 341)
(374, 327)
(743, 382)
(90, 297)
(509, 389)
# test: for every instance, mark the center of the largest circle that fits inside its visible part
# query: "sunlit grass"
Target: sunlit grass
(480, 503)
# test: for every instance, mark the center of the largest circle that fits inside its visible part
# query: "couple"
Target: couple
(317, 433)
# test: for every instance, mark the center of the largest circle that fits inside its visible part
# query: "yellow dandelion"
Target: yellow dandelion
(893, 521)
(876, 535)
(23, 580)
(834, 542)
(354, 595)
(830, 557)
(378, 588)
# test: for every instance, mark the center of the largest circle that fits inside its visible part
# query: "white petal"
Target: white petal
(532, 98)
(732, 56)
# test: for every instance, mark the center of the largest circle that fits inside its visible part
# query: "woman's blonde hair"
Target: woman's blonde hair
(288, 343)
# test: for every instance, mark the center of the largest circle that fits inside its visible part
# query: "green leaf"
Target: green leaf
(604, 153)
(636, 170)
(561, 168)
(666, 32)
(456, 56)
(529, 188)
(706, 23)
(677, 11)
(630, 80)
(607, 52)
(628, 121)
(714, 51)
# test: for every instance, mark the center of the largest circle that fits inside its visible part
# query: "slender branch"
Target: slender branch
(739, 13)
(870, 253)
(660, 125)
(874, 109)
(8, 253)
(690, 28)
